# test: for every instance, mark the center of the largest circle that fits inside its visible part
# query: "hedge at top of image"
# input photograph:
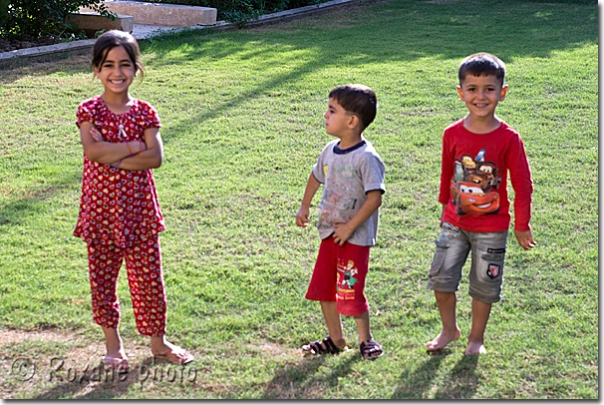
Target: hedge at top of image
(42, 18)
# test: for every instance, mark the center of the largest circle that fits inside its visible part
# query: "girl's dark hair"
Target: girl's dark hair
(482, 64)
(112, 39)
(357, 99)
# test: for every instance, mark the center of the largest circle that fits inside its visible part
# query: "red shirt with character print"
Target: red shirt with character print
(473, 181)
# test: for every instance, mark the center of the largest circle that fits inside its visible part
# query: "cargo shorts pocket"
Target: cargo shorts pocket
(440, 253)
(443, 243)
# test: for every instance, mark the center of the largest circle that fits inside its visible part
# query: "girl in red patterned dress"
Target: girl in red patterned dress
(120, 218)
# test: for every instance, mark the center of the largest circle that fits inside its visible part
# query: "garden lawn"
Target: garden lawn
(242, 126)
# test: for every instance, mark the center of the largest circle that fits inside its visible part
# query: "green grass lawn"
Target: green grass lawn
(242, 127)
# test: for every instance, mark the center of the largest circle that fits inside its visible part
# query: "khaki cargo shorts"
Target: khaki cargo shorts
(486, 272)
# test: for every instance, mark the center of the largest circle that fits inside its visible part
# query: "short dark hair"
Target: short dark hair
(357, 99)
(482, 64)
(112, 39)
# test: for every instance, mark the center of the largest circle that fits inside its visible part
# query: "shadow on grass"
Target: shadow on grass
(64, 63)
(109, 384)
(415, 385)
(373, 33)
(461, 382)
(376, 31)
(304, 380)
(19, 210)
(363, 35)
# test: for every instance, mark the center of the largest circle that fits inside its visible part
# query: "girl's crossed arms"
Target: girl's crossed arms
(133, 155)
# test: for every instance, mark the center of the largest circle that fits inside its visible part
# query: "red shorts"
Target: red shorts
(339, 275)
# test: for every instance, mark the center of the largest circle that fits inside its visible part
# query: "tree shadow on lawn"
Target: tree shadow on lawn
(366, 34)
(19, 210)
(369, 33)
(373, 33)
(299, 381)
(72, 65)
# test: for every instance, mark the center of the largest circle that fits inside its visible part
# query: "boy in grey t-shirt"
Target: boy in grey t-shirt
(352, 173)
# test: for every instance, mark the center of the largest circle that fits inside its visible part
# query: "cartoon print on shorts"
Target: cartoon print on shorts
(474, 185)
(346, 280)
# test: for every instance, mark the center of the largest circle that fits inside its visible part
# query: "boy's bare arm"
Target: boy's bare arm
(303, 214)
(344, 231)
(525, 239)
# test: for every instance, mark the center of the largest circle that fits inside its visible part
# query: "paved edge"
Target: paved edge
(49, 52)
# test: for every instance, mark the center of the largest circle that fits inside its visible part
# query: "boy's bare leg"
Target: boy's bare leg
(446, 302)
(480, 316)
(363, 326)
(113, 343)
(333, 322)
(372, 350)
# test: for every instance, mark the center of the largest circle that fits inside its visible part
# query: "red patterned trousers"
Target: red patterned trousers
(143, 266)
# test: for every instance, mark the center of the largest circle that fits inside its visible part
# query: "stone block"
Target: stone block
(91, 22)
(172, 15)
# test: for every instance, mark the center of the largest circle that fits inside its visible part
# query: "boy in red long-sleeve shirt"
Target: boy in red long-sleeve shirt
(477, 153)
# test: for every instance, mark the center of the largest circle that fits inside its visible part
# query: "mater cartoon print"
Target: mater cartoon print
(474, 185)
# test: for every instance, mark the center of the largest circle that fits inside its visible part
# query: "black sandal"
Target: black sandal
(371, 350)
(325, 346)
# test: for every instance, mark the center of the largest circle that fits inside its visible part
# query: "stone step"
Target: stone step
(91, 22)
(173, 15)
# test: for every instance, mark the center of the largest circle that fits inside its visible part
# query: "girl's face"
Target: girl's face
(117, 72)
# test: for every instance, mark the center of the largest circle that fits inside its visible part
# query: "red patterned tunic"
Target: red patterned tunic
(116, 204)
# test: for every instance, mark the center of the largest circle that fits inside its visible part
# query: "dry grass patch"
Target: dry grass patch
(62, 364)
(50, 364)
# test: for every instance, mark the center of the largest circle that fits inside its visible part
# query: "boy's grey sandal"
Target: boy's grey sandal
(371, 350)
(325, 346)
